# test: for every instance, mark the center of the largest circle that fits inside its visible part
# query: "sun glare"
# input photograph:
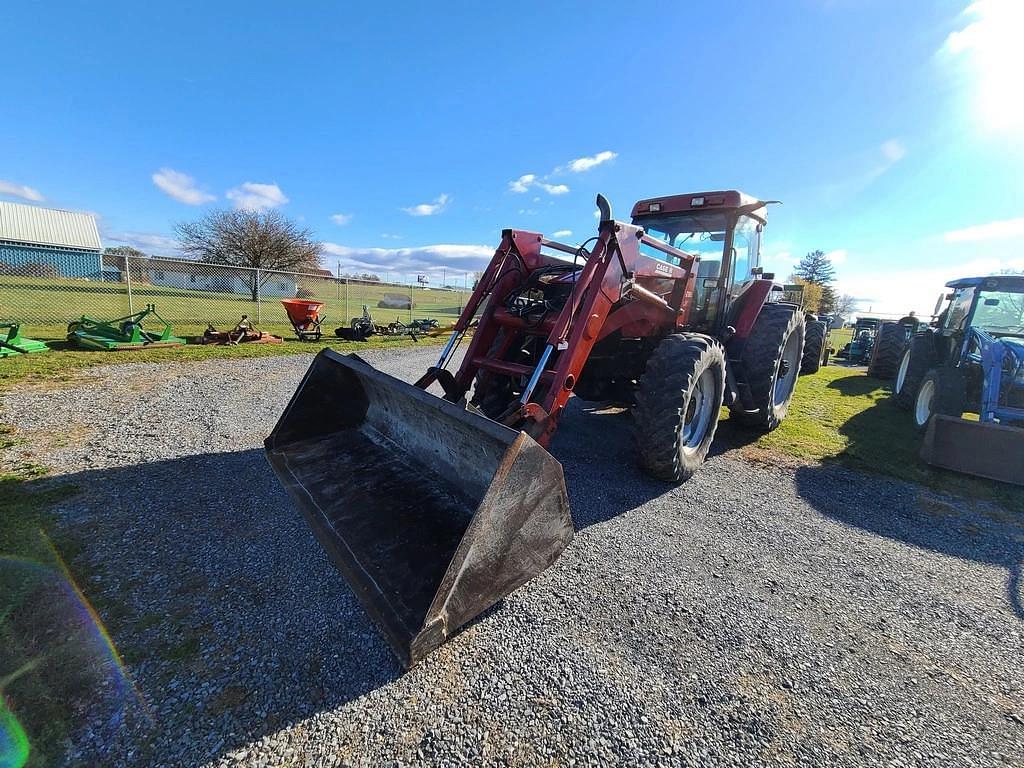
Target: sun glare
(990, 45)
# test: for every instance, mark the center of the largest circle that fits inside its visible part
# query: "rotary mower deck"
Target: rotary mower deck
(13, 343)
(123, 333)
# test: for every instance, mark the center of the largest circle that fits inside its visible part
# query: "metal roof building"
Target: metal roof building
(46, 242)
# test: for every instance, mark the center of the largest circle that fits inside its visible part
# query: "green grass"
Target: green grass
(840, 414)
(45, 307)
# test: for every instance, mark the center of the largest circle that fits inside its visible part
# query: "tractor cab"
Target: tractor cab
(723, 230)
(993, 304)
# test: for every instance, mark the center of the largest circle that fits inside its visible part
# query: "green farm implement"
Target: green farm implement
(16, 344)
(124, 333)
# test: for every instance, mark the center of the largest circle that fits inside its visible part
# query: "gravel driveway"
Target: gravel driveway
(756, 614)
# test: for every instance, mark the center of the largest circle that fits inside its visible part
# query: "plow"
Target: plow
(436, 506)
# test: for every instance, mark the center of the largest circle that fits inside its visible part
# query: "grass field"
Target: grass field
(45, 306)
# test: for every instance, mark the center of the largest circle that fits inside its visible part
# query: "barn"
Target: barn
(47, 242)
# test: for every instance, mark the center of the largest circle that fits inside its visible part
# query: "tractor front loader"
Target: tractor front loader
(434, 508)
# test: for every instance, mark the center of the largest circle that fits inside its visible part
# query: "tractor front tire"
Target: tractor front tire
(770, 362)
(814, 347)
(917, 360)
(941, 391)
(890, 341)
(677, 406)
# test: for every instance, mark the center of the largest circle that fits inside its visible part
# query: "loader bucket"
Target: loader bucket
(995, 451)
(431, 512)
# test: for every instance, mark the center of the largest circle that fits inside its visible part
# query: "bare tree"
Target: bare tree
(845, 305)
(263, 240)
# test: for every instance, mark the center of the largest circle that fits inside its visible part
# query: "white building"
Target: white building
(204, 277)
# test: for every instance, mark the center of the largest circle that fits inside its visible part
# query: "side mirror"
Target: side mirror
(938, 303)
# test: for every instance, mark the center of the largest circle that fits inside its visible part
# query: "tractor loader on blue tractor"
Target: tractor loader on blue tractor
(971, 360)
(436, 507)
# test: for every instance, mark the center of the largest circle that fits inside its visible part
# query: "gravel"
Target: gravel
(757, 614)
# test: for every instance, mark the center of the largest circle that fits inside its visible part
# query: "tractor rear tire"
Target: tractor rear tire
(771, 361)
(941, 391)
(890, 341)
(678, 404)
(814, 347)
(916, 361)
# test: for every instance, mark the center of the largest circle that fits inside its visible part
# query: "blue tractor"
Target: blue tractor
(971, 360)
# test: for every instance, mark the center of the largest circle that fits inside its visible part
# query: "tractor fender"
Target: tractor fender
(747, 306)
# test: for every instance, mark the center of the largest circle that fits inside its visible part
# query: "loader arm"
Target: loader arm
(606, 296)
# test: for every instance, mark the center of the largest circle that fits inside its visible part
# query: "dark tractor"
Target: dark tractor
(970, 360)
(858, 350)
(890, 342)
(817, 343)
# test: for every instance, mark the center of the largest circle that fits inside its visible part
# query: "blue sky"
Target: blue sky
(407, 135)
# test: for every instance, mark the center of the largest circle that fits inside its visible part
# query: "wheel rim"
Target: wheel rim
(789, 366)
(923, 406)
(697, 416)
(901, 374)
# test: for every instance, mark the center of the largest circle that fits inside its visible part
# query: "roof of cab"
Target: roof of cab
(1011, 283)
(695, 201)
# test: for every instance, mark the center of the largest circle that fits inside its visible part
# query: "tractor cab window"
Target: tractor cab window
(957, 311)
(746, 249)
(1001, 313)
(701, 233)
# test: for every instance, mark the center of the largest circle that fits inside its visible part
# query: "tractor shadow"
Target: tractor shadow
(962, 518)
(221, 603)
(216, 593)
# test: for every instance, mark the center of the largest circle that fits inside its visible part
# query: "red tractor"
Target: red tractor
(435, 508)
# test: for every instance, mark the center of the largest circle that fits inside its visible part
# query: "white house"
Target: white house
(203, 277)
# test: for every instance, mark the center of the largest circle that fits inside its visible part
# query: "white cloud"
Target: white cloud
(341, 219)
(181, 187)
(562, 233)
(522, 184)
(993, 230)
(893, 151)
(251, 196)
(553, 189)
(20, 190)
(387, 236)
(581, 164)
(148, 242)
(425, 259)
(429, 209)
(529, 180)
(837, 256)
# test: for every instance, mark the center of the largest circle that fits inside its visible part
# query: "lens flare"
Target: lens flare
(14, 747)
(57, 661)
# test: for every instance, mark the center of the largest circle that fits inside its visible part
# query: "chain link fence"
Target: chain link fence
(44, 296)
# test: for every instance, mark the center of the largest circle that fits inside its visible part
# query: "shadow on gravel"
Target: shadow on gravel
(899, 511)
(232, 622)
(230, 619)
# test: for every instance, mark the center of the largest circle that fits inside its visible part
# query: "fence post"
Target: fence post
(258, 318)
(128, 279)
(347, 313)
